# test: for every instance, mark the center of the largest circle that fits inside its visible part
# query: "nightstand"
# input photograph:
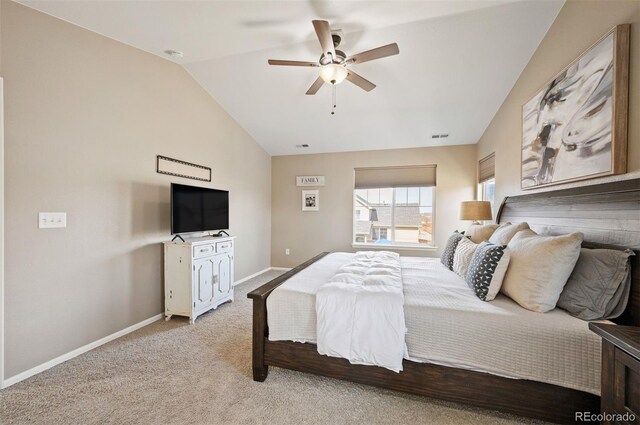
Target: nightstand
(620, 380)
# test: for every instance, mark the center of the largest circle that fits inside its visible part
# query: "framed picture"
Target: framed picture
(310, 200)
(575, 127)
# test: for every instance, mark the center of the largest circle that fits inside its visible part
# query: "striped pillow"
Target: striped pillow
(462, 257)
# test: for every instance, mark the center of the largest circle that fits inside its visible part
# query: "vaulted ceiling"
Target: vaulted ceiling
(457, 62)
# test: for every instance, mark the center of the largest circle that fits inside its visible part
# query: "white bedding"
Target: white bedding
(364, 296)
(448, 325)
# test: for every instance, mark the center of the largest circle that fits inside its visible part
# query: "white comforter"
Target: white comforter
(364, 299)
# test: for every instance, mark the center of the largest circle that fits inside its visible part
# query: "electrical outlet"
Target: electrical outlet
(50, 220)
(287, 251)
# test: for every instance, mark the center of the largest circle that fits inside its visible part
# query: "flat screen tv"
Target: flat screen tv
(198, 209)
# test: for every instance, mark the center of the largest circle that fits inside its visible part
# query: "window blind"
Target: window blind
(487, 168)
(406, 176)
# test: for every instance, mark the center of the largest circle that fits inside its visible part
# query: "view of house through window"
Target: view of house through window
(401, 215)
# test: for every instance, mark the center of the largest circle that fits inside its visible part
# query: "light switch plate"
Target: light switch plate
(50, 220)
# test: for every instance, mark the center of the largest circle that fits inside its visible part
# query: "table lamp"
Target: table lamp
(475, 211)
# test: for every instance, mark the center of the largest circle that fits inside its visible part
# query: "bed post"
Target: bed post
(260, 327)
(260, 369)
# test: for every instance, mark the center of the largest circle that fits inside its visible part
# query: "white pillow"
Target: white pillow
(506, 231)
(479, 233)
(462, 257)
(539, 268)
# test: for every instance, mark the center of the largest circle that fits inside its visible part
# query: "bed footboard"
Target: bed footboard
(260, 328)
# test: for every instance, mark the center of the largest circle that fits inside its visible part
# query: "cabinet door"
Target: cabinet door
(204, 278)
(627, 387)
(224, 270)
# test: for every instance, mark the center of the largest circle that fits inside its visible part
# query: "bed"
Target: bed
(441, 365)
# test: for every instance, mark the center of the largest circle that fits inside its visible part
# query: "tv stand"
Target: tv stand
(198, 275)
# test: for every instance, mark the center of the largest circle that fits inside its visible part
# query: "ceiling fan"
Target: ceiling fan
(333, 63)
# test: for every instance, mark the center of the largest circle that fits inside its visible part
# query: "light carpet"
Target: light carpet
(175, 373)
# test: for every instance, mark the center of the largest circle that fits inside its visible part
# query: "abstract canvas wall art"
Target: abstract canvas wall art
(575, 127)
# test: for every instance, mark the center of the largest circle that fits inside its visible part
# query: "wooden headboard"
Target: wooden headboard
(607, 214)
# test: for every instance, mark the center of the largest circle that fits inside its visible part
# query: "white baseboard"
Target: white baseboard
(259, 273)
(238, 282)
(63, 358)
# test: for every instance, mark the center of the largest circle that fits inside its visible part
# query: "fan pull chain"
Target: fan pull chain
(333, 102)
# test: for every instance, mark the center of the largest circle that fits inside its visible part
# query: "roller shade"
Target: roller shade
(487, 168)
(410, 176)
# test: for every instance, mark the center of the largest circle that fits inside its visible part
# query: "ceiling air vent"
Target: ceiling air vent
(439, 136)
(302, 146)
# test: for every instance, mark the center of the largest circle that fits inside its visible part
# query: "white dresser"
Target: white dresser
(198, 275)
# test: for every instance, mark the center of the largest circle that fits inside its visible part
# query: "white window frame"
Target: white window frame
(394, 245)
(482, 193)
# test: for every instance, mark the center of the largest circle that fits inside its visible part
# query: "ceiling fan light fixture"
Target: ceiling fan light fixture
(333, 73)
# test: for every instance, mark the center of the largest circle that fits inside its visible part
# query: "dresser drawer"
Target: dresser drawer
(203, 250)
(226, 246)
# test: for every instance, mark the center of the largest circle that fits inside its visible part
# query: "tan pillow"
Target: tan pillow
(506, 231)
(462, 257)
(539, 268)
(479, 233)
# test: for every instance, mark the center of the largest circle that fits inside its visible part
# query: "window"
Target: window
(394, 216)
(486, 179)
(487, 190)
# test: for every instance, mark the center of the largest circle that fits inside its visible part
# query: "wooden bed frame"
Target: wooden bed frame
(608, 214)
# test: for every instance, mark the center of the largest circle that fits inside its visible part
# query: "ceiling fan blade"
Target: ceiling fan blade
(363, 83)
(323, 30)
(292, 63)
(369, 55)
(315, 86)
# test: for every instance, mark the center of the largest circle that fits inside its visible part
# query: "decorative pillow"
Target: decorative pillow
(506, 231)
(479, 233)
(539, 268)
(599, 286)
(449, 250)
(462, 256)
(487, 269)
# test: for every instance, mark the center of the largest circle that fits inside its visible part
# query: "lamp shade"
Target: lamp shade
(475, 210)
(333, 73)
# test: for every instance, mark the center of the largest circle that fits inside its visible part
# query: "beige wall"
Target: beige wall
(330, 229)
(1, 213)
(578, 25)
(85, 118)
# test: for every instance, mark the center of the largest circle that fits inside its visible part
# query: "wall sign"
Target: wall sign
(176, 167)
(310, 181)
